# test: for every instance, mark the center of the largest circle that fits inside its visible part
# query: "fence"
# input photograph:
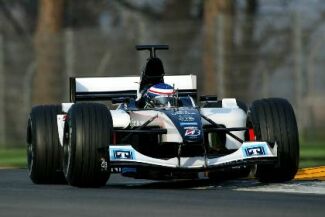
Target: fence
(245, 57)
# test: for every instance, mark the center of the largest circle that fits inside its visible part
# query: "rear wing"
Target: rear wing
(108, 88)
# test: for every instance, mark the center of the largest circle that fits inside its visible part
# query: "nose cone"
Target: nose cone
(188, 123)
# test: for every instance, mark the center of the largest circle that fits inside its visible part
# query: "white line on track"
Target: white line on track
(303, 187)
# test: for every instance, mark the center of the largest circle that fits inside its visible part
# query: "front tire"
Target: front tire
(43, 147)
(274, 121)
(89, 131)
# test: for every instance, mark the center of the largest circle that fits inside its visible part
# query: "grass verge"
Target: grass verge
(312, 153)
(13, 157)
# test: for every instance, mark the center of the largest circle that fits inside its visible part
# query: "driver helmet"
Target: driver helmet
(160, 95)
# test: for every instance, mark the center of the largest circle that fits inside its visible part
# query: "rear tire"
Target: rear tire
(89, 129)
(273, 121)
(43, 147)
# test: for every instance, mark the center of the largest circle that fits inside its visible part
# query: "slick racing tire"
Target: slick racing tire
(43, 148)
(274, 121)
(89, 130)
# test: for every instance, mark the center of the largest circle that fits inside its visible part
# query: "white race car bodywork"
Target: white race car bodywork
(158, 127)
(229, 115)
(102, 84)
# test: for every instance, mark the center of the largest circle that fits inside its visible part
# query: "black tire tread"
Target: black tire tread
(274, 121)
(43, 135)
(91, 130)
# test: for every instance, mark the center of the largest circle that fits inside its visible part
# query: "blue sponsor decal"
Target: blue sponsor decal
(128, 170)
(254, 150)
(188, 123)
(122, 154)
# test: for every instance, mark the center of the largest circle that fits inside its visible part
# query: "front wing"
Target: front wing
(249, 153)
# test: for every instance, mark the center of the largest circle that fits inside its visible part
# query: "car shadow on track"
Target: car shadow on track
(199, 184)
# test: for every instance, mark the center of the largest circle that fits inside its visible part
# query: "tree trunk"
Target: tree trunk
(246, 54)
(177, 10)
(212, 10)
(48, 80)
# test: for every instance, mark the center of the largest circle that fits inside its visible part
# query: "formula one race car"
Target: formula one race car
(158, 130)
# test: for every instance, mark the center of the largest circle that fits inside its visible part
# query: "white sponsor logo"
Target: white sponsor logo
(192, 131)
(184, 112)
(122, 154)
(186, 118)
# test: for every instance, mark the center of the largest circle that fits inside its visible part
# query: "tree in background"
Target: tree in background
(218, 68)
(48, 80)
(221, 55)
(246, 53)
(212, 10)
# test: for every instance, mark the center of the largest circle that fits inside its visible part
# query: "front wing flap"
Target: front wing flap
(248, 153)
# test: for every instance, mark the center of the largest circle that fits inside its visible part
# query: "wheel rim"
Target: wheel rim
(30, 157)
(30, 149)
(67, 151)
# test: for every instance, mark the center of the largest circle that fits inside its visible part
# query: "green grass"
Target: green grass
(312, 153)
(13, 157)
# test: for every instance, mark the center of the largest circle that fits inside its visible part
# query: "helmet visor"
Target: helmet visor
(164, 101)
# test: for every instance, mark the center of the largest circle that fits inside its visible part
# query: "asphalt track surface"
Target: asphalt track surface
(130, 197)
